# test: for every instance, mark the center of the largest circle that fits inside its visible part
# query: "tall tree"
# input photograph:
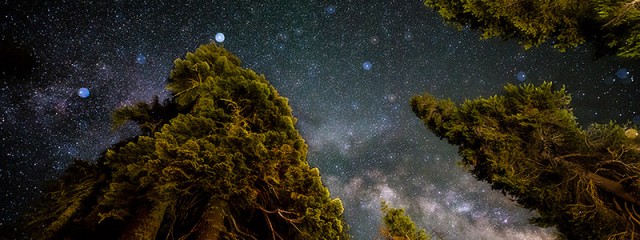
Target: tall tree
(222, 159)
(611, 24)
(527, 144)
(398, 226)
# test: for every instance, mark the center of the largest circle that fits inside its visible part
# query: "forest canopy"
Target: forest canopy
(613, 26)
(527, 144)
(220, 159)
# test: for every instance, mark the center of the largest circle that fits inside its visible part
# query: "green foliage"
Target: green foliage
(148, 116)
(528, 144)
(532, 22)
(222, 159)
(622, 21)
(613, 25)
(398, 226)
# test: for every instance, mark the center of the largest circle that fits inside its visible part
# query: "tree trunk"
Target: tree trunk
(146, 222)
(212, 222)
(612, 187)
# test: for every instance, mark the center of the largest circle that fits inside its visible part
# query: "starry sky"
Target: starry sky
(348, 68)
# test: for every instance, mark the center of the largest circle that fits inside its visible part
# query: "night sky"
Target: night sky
(348, 68)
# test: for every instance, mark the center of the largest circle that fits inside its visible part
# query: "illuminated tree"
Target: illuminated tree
(220, 160)
(622, 23)
(612, 25)
(398, 226)
(527, 144)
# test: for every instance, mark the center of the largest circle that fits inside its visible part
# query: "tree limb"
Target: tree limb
(612, 187)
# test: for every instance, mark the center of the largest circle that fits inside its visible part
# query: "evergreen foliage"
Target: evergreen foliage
(613, 25)
(527, 144)
(622, 24)
(398, 226)
(220, 160)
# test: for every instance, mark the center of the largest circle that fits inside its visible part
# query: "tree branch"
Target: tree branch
(612, 187)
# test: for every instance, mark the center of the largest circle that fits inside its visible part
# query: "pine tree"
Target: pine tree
(398, 226)
(527, 144)
(532, 22)
(612, 25)
(221, 159)
(622, 21)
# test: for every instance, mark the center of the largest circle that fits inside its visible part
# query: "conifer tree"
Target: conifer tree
(612, 25)
(220, 160)
(398, 226)
(621, 20)
(527, 144)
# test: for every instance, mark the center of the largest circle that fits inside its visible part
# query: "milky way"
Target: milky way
(348, 68)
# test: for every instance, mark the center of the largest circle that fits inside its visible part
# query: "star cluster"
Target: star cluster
(348, 68)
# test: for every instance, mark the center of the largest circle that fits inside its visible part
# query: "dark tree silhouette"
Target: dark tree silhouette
(527, 144)
(220, 160)
(612, 25)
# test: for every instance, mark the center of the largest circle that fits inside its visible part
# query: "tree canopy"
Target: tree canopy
(398, 226)
(612, 25)
(528, 144)
(221, 159)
